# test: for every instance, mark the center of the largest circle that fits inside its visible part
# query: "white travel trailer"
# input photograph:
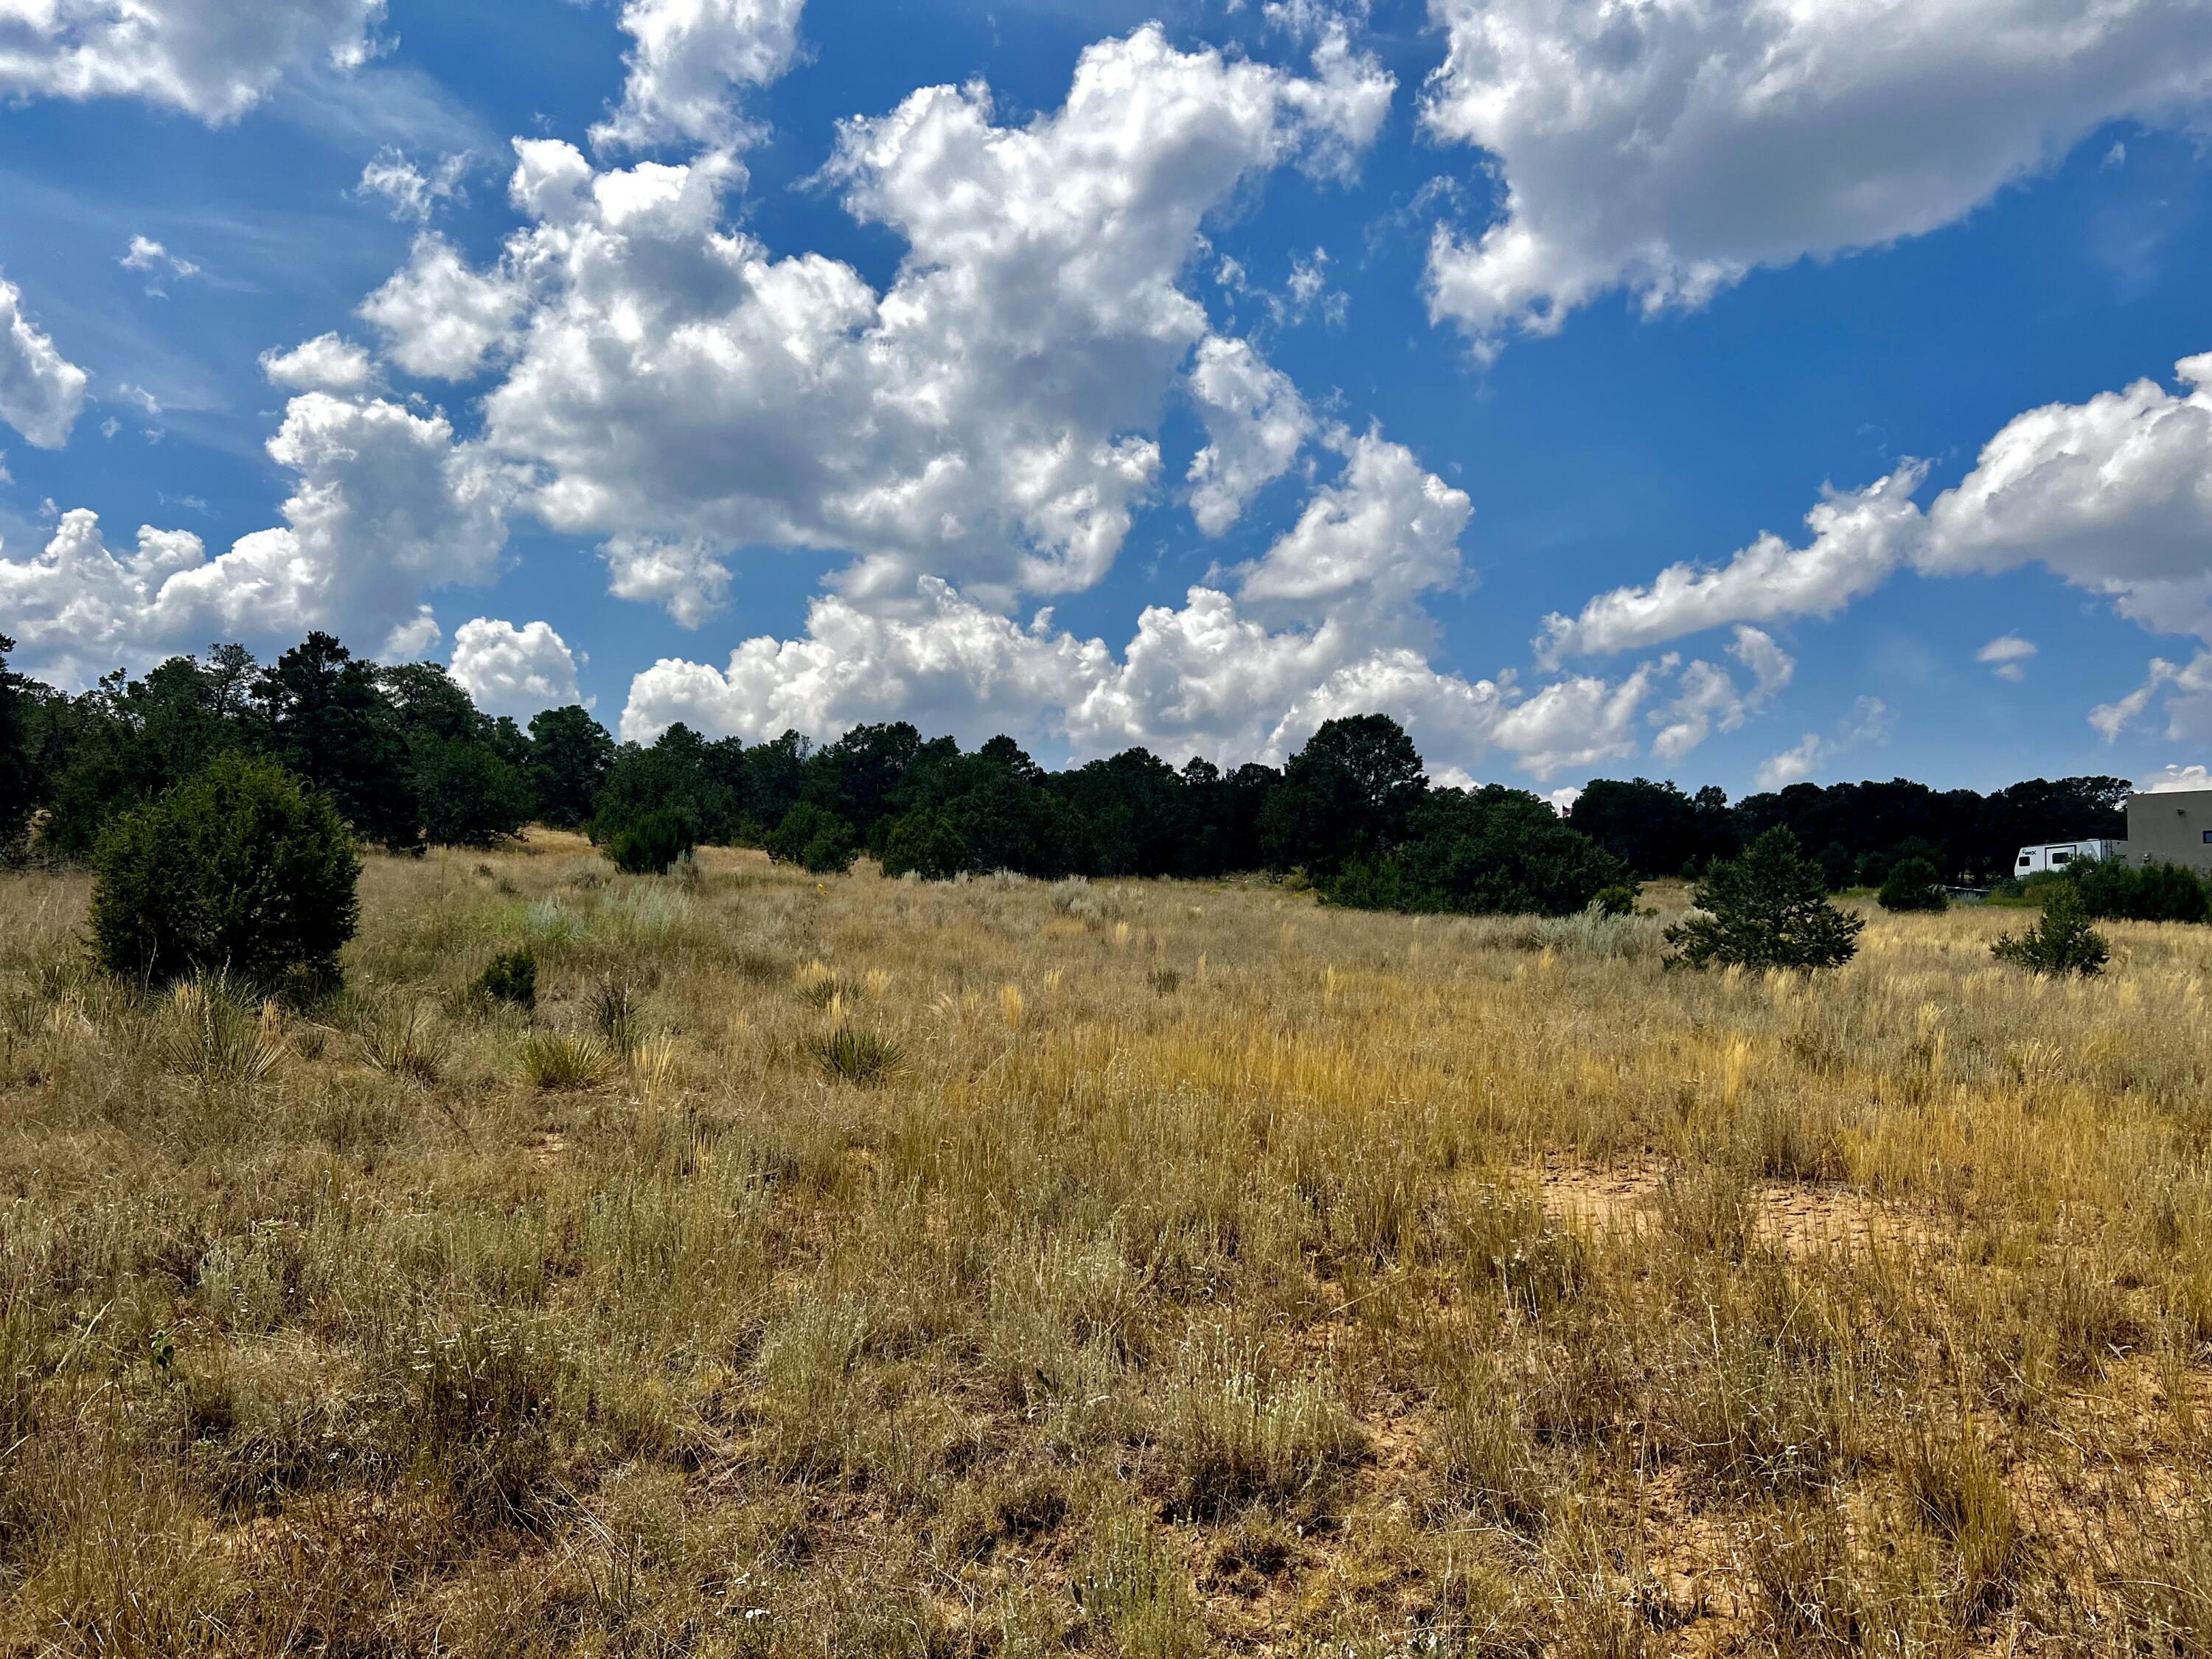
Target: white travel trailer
(2058, 854)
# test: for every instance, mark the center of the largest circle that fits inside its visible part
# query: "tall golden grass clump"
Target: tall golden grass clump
(837, 1266)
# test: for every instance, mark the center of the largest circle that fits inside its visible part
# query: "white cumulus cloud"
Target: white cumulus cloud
(384, 505)
(514, 670)
(2174, 779)
(685, 578)
(329, 362)
(1256, 425)
(691, 61)
(1669, 147)
(41, 392)
(1859, 537)
(147, 255)
(1708, 698)
(439, 318)
(408, 191)
(668, 380)
(211, 61)
(2113, 496)
(2183, 692)
(1326, 624)
(1870, 722)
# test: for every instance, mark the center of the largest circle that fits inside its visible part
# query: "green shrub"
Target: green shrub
(1837, 867)
(240, 870)
(2063, 942)
(565, 1059)
(511, 976)
(654, 844)
(849, 1055)
(470, 796)
(1766, 910)
(2112, 890)
(1911, 885)
(1619, 900)
(926, 843)
(1487, 851)
(815, 839)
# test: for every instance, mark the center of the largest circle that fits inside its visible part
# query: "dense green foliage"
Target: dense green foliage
(1349, 798)
(468, 794)
(815, 839)
(511, 976)
(2113, 891)
(402, 753)
(2062, 942)
(16, 799)
(1474, 852)
(1860, 829)
(570, 755)
(244, 871)
(654, 844)
(1766, 910)
(926, 843)
(1911, 885)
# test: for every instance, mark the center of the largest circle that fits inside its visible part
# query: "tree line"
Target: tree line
(1856, 832)
(408, 761)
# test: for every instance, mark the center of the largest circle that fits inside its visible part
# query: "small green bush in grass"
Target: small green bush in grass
(565, 1059)
(2063, 942)
(653, 845)
(1912, 884)
(241, 871)
(1615, 900)
(816, 839)
(849, 1054)
(511, 977)
(1766, 910)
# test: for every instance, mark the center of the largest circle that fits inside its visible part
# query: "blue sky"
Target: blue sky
(763, 386)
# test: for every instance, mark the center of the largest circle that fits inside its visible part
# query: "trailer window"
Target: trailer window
(2060, 858)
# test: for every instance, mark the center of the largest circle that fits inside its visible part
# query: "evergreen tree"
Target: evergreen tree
(570, 755)
(2062, 942)
(926, 843)
(242, 870)
(19, 792)
(330, 723)
(1766, 910)
(1486, 851)
(654, 843)
(1911, 885)
(1345, 796)
(815, 839)
(131, 740)
(470, 796)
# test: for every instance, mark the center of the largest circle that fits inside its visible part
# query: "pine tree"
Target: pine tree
(1766, 910)
(2063, 942)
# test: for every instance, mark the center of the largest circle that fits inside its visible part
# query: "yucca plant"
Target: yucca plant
(212, 1034)
(817, 985)
(847, 1054)
(565, 1059)
(618, 1010)
(404, 1044)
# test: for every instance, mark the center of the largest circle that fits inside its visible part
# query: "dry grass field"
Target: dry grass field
(859, 1267)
